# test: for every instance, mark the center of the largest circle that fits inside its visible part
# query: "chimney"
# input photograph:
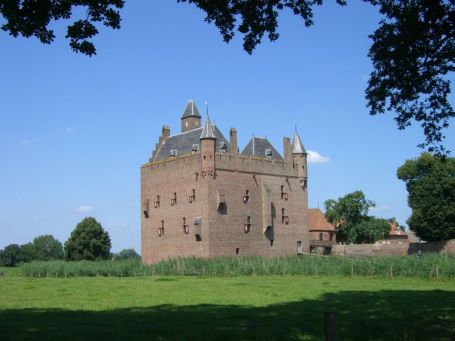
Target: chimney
(165, 132)
(287, 150)
(233, 141)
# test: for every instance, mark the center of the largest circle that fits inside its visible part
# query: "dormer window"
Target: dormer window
(195, 148)
(268, 153)
(223, 147)
(173, 153)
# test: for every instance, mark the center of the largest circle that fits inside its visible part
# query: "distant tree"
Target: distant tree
(1, 258)
(88, 241)
(430, 181)
(46, 247)
(127, 254)
(28, 252)
(12, 255)
(349, 214)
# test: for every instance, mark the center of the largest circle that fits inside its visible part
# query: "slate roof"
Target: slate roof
(183, 143)
(207, 132)
(317, 221)
(297, 145)
(257, 147)
(191, 110)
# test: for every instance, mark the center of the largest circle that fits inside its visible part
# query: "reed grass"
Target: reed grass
(424, 266)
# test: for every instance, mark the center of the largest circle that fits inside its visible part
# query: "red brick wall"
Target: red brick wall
(221, 233)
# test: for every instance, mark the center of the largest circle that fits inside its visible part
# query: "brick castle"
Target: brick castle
(201, 197)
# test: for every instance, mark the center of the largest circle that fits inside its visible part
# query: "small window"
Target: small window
(195, 148)
(174, 199)
(145, 208)
(173, 153)
(237, 250)
(247, 226)
(268, 153)
(192, 197)
(157, 202)
(223, 147)
(186, 228)
(246, 196)
(321, 236)
(299, 247)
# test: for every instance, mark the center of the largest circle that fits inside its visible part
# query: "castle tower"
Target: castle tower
(191, 118)
(299, 156)
(208, 147)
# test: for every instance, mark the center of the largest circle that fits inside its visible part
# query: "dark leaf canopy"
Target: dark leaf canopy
(413, 51)
(32, 18)
(253, 18)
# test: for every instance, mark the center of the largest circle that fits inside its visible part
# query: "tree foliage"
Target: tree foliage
(430, 181)
(349, 214)
(28, 252)
(88, 241)
(413, 50)
(127, 254)
(11, 255)
(32, 18)
(46, 247)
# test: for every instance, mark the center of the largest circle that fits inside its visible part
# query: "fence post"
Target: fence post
(330, 324)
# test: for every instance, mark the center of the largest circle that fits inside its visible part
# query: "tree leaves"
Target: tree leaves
(413, 50)
(349, 214)
(88, 241)
(32, 18)
(430, 181)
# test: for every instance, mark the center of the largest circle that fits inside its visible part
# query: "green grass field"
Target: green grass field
(248, 307)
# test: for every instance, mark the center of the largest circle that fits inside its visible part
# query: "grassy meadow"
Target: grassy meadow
(264, 307)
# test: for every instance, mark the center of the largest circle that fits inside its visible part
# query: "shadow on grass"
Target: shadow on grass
(383, 315)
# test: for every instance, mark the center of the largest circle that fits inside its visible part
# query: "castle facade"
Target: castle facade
(201, 197)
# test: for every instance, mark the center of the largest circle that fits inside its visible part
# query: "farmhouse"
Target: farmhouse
(201, 196)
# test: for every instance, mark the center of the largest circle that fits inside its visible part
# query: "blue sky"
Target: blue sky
(75, 130)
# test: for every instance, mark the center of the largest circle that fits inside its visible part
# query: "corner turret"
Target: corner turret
(208, 147)
(299, 156)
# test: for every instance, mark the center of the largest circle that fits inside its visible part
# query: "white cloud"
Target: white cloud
(380, 208)
(84, 208)
(315, 157)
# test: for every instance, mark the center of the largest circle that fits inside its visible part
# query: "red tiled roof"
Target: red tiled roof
(395, 230)
(317, 221)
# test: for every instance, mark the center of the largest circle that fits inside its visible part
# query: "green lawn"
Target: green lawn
(254, 307)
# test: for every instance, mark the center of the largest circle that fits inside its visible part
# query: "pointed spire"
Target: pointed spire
(297, 145)
(207, 132)
(191, 110)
